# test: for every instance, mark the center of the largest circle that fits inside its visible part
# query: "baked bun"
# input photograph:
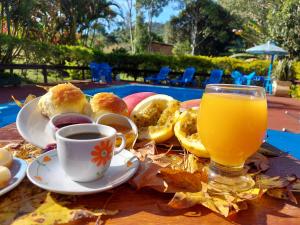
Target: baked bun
(5, 176)
(63, 98)
(6, 158)
(102, 103)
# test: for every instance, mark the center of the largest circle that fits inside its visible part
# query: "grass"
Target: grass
(35, 76)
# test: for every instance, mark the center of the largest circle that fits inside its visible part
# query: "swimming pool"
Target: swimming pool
(9, 111)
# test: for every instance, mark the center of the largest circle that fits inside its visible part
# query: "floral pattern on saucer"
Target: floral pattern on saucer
(43, 163)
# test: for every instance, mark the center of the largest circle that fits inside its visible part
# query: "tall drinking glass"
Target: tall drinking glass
(232, 122)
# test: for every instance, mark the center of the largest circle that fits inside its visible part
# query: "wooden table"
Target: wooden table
(144, 207)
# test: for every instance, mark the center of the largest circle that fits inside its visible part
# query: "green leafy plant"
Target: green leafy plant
(283, 70)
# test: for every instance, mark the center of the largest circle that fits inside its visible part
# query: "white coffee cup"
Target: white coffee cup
(87, 160)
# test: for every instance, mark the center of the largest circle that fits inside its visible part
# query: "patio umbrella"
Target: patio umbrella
(268, 48)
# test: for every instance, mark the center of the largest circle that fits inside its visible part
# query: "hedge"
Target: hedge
(203, 64)
(41, 53)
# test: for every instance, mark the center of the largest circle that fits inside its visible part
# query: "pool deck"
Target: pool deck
(277, 105)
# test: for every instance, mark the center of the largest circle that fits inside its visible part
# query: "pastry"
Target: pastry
(102, 103)
(63, 98)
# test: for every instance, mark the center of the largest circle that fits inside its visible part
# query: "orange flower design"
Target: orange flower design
(39, 178)
(46, 159)
(102, 153)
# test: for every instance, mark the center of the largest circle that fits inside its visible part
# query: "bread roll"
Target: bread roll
(63, 98)
(6, 158)
(102, 103)
(5, 176)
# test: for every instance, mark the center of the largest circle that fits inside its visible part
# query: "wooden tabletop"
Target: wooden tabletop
(144, 206)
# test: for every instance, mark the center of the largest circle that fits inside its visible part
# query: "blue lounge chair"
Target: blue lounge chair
(248, 78)
(237, 77)
(161, 76)
(186, 78)
(95, 71)
(258, 80)
(215, 77)
(105, 71)
(100, 71)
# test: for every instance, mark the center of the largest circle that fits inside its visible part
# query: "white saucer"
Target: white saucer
(18, 172)
(46, 173)
(33, 126)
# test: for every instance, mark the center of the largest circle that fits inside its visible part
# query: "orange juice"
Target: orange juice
(231, 126)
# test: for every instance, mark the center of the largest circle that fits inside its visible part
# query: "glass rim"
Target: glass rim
(236, 86)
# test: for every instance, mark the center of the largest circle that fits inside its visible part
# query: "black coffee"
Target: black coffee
(85, 136)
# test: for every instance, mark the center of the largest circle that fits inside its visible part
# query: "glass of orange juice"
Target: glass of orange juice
(232, 122)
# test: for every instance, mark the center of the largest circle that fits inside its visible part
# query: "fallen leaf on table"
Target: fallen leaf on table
(46, 88)
(24, 150)
(282, 193)
(28, 99)
(178, 180)
(144, 149)
(257, 163)
(22, 200)
(146, 176)
(266, 182)
(224, 203)
(193, 164)
(295, 186)
(166, 172)
(53, 212)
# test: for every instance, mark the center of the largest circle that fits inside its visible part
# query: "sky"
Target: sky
(168, 11)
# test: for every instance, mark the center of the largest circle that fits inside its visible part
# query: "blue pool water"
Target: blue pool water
(9, 111)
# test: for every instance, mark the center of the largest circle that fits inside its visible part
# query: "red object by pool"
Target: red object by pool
(133, 99)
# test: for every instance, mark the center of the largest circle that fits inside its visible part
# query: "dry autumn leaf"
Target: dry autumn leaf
(224, 203)
(282, 193)
(178, 180)
(257, 163)
(167, 172)
(28, 99)
(52, 211)
(24, 150)
(266, 182)
(46, 88)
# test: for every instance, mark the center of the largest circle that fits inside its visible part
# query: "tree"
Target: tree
(152, 8)
(284, 26)
(126, 24)
(253, 16)
(168, 35)
(206, 25)
(141, 40)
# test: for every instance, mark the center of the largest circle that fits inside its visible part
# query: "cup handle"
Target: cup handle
(123, 144)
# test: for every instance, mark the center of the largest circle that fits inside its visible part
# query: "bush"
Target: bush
(284, 70)
(295, 91)
(296, 70)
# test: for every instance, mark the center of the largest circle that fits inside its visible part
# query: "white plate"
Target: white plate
(33, 126)
(46, 173)
(18, 171)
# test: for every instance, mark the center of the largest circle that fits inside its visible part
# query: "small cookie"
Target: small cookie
(5, 176)
(6, 158)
